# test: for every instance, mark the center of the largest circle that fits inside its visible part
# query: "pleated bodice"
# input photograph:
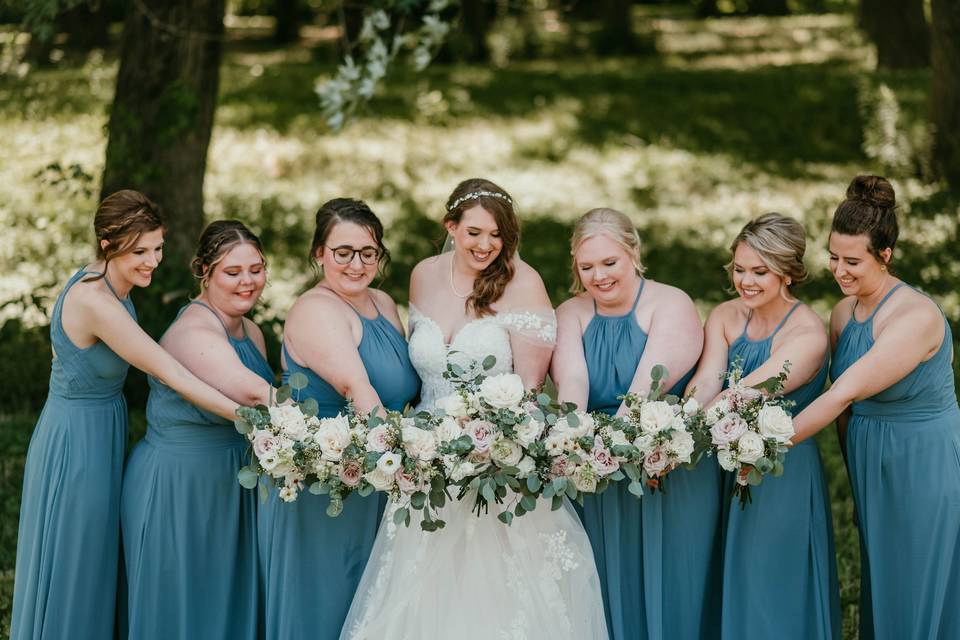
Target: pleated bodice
(172, 421)
(383, 351)
(92, 373)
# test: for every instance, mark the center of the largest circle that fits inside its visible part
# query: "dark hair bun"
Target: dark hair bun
(874, 191)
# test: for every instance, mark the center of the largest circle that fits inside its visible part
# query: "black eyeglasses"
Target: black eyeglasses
(344, 254)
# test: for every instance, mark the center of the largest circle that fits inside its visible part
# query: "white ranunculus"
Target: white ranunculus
(681, 445)
(333, 436)
(750, 447)
(656, 416)
(528, 431)
(377, 439)
(462, 470)
(728, 429)
(447, 430)
(775, 423)
(502, 391)
(381, 481)
(726, 460)
(690, 407)
(453, 405)
(419, 443)
(526, 466)
(389, 463)
(505, 452)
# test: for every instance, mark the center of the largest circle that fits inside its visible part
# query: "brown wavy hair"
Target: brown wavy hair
(492, 281)
(121, 219)
(216, 241)
(869, 209)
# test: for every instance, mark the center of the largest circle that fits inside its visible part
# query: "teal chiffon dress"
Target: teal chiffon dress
(903, 448)
(779, 564)
(658, 557)
(68, 543)
(311, 563)
(189, 528)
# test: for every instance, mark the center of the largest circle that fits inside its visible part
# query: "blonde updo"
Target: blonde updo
(780, 241)
(615, 225)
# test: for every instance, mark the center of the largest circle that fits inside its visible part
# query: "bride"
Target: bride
(478, 578)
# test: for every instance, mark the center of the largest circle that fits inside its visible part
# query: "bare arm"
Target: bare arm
(329, 350)
(805, 348)
(708, 379)
(111, 323)
(208, 354)
(569, 366)
(903, 344)
(675, 340)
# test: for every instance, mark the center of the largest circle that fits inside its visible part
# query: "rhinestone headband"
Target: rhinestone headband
(473, 195)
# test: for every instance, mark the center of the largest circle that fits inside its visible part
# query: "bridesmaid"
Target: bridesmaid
(892, 377)
(189, 528)
(778, 552)
(658, 555)
(347, 339)
(68, 540)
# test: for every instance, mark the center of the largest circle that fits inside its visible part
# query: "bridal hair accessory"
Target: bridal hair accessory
(473, 195)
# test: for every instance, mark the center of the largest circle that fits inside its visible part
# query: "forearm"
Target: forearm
(364, 397)
(573, 389)
(819, 414)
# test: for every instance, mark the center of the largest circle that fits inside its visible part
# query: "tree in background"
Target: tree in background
(899, 30)
(945, 91)
(616, 30)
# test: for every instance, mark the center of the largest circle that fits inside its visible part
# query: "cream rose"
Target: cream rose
(377, 439)
(505, 452)
(526, 466)
(727, 429)
(528, 431)
(333, 436)
(453, 405)
(419, 443)
(681, 445)
(726, 460)
(585, 478)
(447, 430)
(482, 433)
(775, 423)
(381, 481)
(750, 447)
(656, 416)
(502, 391)
(690, 407)
(462, 470)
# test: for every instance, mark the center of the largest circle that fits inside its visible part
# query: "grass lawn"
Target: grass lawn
(733, 118)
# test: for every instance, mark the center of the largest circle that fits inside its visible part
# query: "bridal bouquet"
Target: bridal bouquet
(294, 449)
(750, 429)
(489, 429)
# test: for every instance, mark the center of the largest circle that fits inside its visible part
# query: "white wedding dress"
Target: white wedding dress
(477, 578)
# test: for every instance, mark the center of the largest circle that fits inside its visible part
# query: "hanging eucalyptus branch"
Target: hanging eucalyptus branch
(417, 26)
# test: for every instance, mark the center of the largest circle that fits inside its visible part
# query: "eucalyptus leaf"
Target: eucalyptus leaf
(636, 488)
(489, 362)
(335, 508)
(418, 499)
(242, 426)
(400, 515)
(319, 489)
(557, 503)
(283, 393)
(310, 407)
(297, 381)
(533, 483)
(505, 517)
(487, 492)
(247, 478)
(529, 503)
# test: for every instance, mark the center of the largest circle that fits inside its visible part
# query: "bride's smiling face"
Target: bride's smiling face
(476, 238)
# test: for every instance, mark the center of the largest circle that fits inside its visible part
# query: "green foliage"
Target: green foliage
(25, 357)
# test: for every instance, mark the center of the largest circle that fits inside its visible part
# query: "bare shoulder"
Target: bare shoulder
(315, 304)
(580, 306)
(842, 312)
(727, 314)
(426, 269)
(804, 325)
(666, 296)
(383, 300)
(909, 308)
(526, 288)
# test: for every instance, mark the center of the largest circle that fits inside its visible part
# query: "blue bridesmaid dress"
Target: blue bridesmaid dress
(311, 563)
(903, 448)
(658, 557)
(779, 564)
(189, 528)
(69, 536)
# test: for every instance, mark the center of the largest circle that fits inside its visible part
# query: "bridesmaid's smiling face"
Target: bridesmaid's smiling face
(754, 281)
(606, 270)
(855, 268)
(355, 276)
(237, 280)
(136, 266)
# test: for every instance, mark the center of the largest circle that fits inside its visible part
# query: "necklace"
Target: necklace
(453, 286)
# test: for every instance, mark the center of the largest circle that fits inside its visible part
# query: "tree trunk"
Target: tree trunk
(162, 113)
(475, 24)
(899, 30)
(287, 13)
(768, 7)
(616, 31)
(945, 93)
(87, 26)
(706, 8)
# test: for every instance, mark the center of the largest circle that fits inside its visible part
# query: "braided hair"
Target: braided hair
(120, 220)
(215, 243)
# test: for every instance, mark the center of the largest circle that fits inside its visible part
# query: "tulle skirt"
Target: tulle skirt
(478, 578)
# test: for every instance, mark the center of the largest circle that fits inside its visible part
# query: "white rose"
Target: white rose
(681, 445)
(528, 431)
(506, 452)
(287, 417)
(526, 466)
(690, 407)
(617, 436)
(377, 439)
(389, 463)
(453, 406)
(419, 443)
(333, 437)
(643, 442)
(447, 430)
(462, 470)
(750, 447)
(381, 481)
(656, 416)
(502, 391)
(726, 460)
(775, 423)
(728, 429)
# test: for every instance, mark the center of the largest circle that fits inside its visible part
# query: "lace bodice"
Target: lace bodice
(474, 341)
